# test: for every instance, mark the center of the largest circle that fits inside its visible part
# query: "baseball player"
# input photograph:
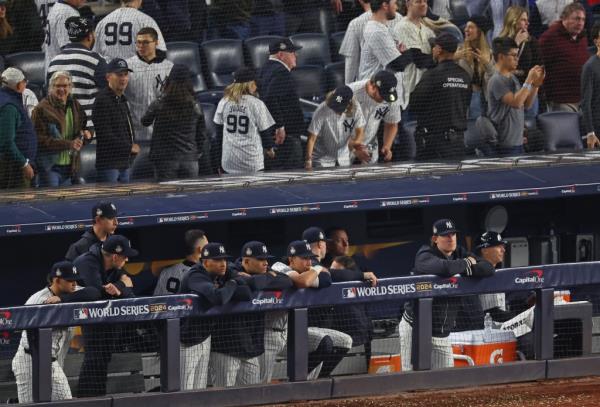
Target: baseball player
(444, 258)
(215, 284)
(115, 33)
(62, 287)
(104, 224)
(245, 126)
(491, 247)
(378, 100)
(239, 340)
(336, 130)
(350, 47)
(150, 71)
(56, 32)
(43, 7)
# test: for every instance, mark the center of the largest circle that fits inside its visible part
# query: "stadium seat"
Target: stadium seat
(223, 57)
(335, 40)
(87, 168)
(477, 7)
(209, 114)
(32, 65)
(334, 75)
(315, 49)
(325, 20)
(459, 12)
(210, 96)
(310, 82)
(187, 53)
(561, 131)
(257, 49)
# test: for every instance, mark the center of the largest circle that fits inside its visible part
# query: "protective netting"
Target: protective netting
(180, 114)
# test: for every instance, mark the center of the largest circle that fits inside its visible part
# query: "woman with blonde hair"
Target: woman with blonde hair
(7, 40)
(475, 57)
(245, 128)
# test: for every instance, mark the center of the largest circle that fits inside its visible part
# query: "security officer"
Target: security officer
(440, 102)
(444, 258)
(104, 224)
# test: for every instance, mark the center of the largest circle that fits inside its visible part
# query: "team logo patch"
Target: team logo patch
(248, 252)
(349, 292)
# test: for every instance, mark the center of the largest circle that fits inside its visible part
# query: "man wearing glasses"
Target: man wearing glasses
(150, 70)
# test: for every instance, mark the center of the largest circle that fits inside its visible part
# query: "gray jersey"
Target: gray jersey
(378, 49)
(145, 86)
(115, 33)
(242, 122)
(169, 281)
(56, 33)
(351, 45)
(374, 113)
(333, 134)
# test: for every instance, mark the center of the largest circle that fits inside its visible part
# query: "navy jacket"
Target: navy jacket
(87, 240)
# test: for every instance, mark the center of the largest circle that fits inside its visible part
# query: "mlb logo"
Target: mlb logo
(349, 292)
(81, 313)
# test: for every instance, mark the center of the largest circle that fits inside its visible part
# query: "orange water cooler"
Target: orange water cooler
(475, 348)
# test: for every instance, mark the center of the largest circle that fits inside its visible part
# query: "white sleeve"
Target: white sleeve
(395, 113)
(384, 47)
(359, 116)
(264, 120)
(318, 119)
(351, 43)
(218, 119)
(282, 268)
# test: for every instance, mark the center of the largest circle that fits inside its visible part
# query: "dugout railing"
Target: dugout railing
(167, 311)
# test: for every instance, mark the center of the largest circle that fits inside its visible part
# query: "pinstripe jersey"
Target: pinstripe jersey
(351, 45)
(43, 7)
(169, 281)
(115, 33)
(56, 33)
(242, 122)
(333, 133)
(145, 86)
(378, 49)
(83, 65)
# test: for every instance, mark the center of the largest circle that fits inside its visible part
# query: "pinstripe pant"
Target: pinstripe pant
(22, 369)
(226, 370)
(194, 365)
(441, 350)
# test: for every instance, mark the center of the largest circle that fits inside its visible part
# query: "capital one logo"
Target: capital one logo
(535, 276)
(451, 282)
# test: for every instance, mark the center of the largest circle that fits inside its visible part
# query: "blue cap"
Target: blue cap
(300, 248)
(64, 269)
(104, 209)
(257, 250)
(214, 251)
(117, 244)
(340, 99)
(118, 65)
(489, 239)
(444, 227)
(313, 234)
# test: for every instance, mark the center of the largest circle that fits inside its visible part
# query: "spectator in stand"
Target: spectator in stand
(414, 34)
(115, 33)
(267, 18)
(475, 57)
(498, 9)
(18, 142)
(551, 10)
(56, 29)
(350, 47)
(150, 71)
(590, 89)
(278, 90)
(179, 128)
(564, 50)
(231, 18)
(8, 43)
(508, 99)
(104, 224)
(440, 102)
(60, 124)
(27, 30)
(244, 127)
(516, 24)
(114, 128)
(180, 20)
(87, 68)
(336, 131)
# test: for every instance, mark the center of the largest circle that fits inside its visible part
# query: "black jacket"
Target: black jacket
(179, 131)
(211, 290)
(277, 89)
(87, 240)
(91, 267)
(114, 130)
(243, 335)
(441, 99)
(430, 260)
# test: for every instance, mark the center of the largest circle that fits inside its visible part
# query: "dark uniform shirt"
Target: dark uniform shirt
(87, 240)
(441, 99)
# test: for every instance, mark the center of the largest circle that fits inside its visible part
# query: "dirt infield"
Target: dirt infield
(584, 392)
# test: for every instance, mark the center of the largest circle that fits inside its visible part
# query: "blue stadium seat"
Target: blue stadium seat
(87, 168)
(209, 114)
(325, 20)
(222, 57)
(257, 49)
(32, 65)
(209, 96)
(335, 44)
(334, 75)
(187, 53)
(459, 12)
(310, 82)
(477, 7)
(561, 131)
(315, 49)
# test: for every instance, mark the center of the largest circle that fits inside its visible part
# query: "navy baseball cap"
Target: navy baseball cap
(65, 270)
(214, 251)
(257, 250)
(118, 65)
(244, 74)
(179, 73)
(104, 209)
(78, 27)
(300, 248)
(340, 99)
(387, 83)
(444, 227)
(489, 239)
(284, 45)
(446, 41)
(313, 234)
(118, 244)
